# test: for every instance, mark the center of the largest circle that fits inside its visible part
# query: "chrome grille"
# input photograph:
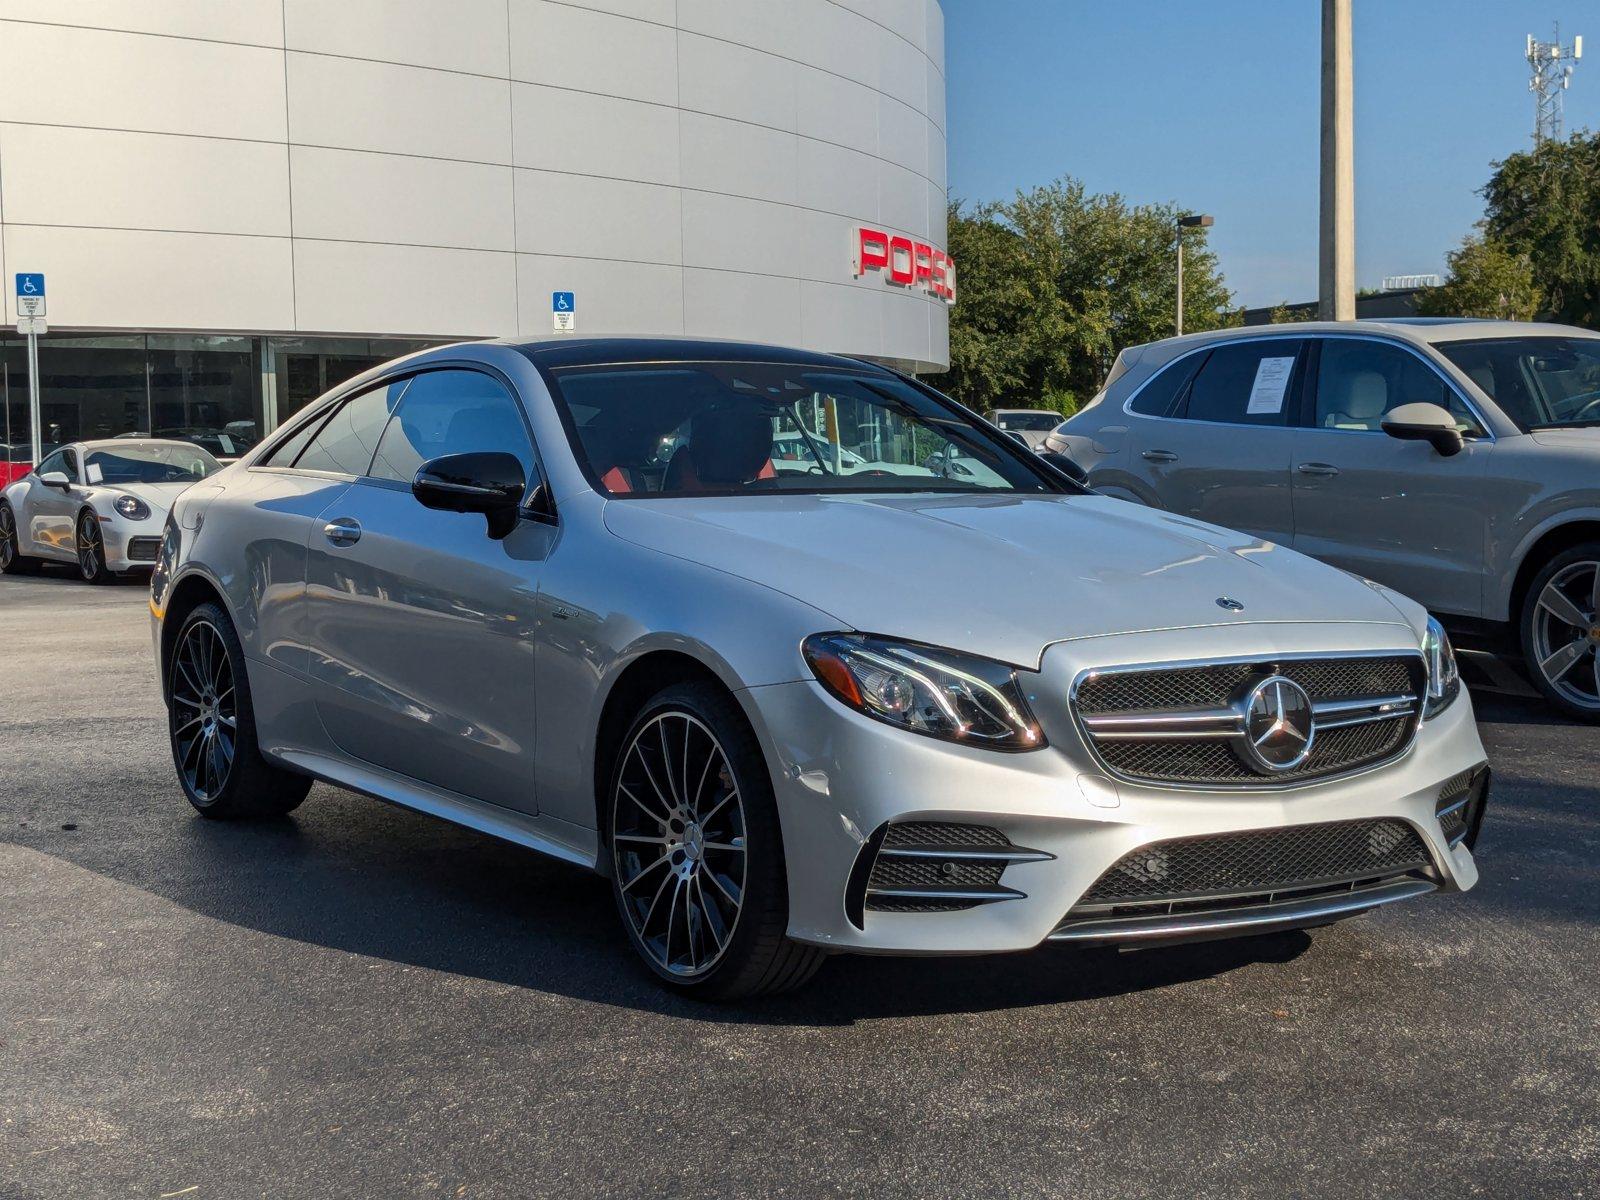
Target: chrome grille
(1259, 862)
(1187, 724)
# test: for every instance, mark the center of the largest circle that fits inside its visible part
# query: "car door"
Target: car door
(1396, 512)
(50, 514)
(421, 625)
(1220, 449)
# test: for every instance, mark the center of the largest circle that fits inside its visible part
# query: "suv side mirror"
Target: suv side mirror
(1066, 465)
(1425, 423)
(489, 482)
(56, 479)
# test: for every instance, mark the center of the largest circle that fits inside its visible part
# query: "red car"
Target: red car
(15, 462)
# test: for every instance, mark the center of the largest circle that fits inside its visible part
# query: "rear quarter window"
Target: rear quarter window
(1159, 397)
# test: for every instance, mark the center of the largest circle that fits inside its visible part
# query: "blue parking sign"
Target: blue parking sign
(564, 311)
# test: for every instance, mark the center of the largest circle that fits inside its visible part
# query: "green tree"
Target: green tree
(1545, 204)
(1487, 279)
(1054, 283)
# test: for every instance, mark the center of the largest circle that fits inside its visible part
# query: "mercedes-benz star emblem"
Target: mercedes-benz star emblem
(1278, 728)
(1229, 603)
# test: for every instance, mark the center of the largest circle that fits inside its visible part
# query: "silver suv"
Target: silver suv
(1455, 461)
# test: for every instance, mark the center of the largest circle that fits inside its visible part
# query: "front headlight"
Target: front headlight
(132, 507)
(922, 689)
(1444, 677)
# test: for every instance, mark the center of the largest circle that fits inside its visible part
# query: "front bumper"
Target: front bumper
(131, 545)
(841, 777)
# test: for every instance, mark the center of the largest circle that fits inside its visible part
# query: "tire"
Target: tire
(91, 547)
(692, 828)
(208, 699)
(12, 560)
(1560, 631)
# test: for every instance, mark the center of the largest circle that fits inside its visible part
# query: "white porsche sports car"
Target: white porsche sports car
(99, 504)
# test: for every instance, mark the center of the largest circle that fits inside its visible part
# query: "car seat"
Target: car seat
(726, 447)
(1362, 397)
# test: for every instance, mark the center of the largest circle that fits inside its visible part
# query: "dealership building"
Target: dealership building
(237, 205)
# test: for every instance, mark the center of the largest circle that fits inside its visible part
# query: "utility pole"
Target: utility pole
(1336, 288)
(1551, 65)
(1188, 221)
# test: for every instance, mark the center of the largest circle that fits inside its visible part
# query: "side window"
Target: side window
(451, 412)
(1359, 381)
(57, 462)
(346, 441)
(285, 454)
(1249, 383)
(1159, 397)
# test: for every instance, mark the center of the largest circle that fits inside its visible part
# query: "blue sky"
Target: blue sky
(1214, 104)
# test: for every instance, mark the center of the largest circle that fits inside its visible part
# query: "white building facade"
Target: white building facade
(237, 203)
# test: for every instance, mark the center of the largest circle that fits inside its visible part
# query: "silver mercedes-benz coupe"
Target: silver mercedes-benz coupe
(563, 593)
(101, 505)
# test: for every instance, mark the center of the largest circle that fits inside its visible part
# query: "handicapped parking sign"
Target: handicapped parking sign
(564, 311)
(30, 294)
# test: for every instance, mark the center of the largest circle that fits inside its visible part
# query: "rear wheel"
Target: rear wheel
(212, 727)
(12, 560)
(696, 853)
(92, 549)
(1561, 631)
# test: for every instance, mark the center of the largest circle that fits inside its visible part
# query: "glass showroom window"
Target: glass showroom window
(89, 387)
(206, 390)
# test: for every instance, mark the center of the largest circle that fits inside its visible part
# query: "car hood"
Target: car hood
(1002, 576)
(1034, 437)
(1582, 438)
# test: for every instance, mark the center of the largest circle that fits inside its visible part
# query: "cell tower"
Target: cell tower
(1552, 65)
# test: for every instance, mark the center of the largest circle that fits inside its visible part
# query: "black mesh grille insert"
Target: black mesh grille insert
(1260, 861)
(1213, 761)
(143, 549)
(891, 872)
(932, 875)
(941, 833)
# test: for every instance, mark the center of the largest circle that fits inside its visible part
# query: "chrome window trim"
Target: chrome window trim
(1489, 434)
(1266, 784)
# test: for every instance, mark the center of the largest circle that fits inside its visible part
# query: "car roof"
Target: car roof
(124, 443)
(1420, 330)
(598, 351)
(1048, 412)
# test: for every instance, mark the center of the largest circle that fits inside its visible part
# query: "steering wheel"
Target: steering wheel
(1589, 411)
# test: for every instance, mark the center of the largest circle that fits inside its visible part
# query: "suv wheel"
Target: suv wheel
(1561, 631)
(12, 560)
(697, 862)
(212, 726)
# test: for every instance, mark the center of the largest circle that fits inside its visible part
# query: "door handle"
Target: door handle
(1315, 468)
(342, 531)
(1162, 456)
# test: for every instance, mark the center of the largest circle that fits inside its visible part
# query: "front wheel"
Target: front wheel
(92, 549)
(696, 853)
(212, 727)
(1561, 631)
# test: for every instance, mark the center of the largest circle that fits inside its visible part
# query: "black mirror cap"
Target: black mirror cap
(490, 482)
(1066, 465)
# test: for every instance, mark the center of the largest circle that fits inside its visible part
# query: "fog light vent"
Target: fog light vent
(933, 866)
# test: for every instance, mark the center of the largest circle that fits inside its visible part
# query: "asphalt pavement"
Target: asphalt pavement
(360, 1001)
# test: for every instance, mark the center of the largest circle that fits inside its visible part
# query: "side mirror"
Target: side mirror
(489, 482)
(1425, 423)
(1016, 436)
(1066, 466)
(56, 479)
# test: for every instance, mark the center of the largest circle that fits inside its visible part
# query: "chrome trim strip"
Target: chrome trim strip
(1229, 722)
(1014, 854)
(1266, 916)
(1086, 732)
(981, 897)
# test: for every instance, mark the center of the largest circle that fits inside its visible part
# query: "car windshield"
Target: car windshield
(1028, 422)
(150, 464)
(1539, 382)
(724, 428)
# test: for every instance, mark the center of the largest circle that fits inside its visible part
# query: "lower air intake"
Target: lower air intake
(1259, 861)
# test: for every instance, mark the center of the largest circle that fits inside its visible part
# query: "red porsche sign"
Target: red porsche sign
(904, 262)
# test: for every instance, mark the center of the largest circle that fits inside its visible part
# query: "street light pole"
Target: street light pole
(1336, 284)
(1188, 221)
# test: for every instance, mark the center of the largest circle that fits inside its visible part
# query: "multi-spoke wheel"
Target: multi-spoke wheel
(12, 560)
(1561, 631)
(212, 725)
(205, 710)
(91, 549)
(696, 854)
